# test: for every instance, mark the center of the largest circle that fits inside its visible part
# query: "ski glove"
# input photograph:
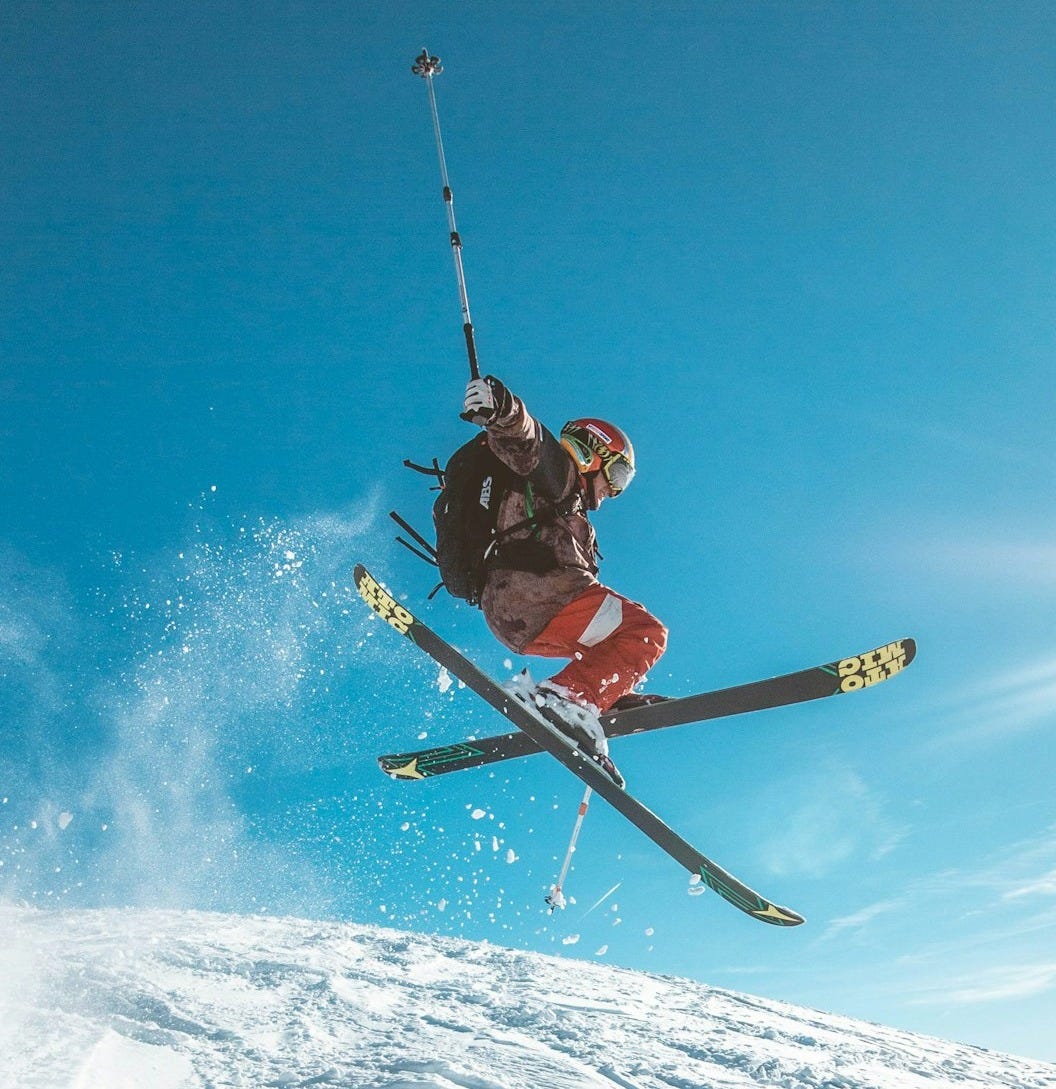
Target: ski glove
(486, 400)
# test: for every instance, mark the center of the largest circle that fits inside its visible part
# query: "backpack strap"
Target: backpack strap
(405, 525)
(550, 513)
(434, 470)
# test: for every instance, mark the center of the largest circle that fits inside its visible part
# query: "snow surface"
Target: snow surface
(187, 1000)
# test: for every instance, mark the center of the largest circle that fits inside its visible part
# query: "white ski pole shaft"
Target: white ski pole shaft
(427, 67)
(556, 898)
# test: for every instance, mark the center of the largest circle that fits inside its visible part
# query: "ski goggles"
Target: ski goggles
(616, 469)
(593, 457)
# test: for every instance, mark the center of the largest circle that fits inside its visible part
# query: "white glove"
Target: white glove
(479, 405)
(487, 399)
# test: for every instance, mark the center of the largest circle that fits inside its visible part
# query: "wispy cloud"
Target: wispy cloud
(1023, 870)
(999, 984)
(1020, 699)
(833, 816)
(1044, 886)
(987, 446)
(858, 920)
(992, 560)
(993, 917)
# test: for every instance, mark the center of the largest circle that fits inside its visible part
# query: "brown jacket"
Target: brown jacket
(518, 603)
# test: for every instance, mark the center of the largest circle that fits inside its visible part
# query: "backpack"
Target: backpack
(472, 486)
(465, 515)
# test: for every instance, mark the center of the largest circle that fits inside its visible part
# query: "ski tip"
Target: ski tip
(741, 896)
(382, 602)
(873, 666)
(779, 916)
(395, 770)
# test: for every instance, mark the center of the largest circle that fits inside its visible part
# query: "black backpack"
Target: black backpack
(465, 515)
(471, 485)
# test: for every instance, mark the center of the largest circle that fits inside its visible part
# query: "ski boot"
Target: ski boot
(634, 700)
(580, 723)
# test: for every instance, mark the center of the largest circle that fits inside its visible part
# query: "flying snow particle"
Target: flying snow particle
(602, 951)
(64, 820)
(478, 814)
(572, 939)
(511, 856)
(443, 681)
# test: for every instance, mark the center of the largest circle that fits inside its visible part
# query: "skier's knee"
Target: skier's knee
(655, 639)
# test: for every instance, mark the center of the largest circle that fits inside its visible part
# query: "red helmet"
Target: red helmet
(595, 445)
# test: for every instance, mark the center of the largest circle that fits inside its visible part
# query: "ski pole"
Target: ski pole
(427, 67)
(556, 898)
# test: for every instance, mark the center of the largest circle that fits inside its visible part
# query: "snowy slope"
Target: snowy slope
(184, 1000)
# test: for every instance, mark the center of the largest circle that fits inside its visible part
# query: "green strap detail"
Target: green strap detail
(529, 509)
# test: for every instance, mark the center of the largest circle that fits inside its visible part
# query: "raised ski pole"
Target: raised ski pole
(556, 899)
(427, 67)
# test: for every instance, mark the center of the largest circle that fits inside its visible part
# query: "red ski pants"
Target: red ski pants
(611, 640)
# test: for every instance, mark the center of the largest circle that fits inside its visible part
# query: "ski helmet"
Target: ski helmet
(595, 445)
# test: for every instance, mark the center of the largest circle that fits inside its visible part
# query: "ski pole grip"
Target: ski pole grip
(474, 371)
(471, 351)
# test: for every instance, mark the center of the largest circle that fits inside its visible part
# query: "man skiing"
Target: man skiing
(542, 595)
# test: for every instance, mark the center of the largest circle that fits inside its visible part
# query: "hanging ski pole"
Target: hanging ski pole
(428, 66)
(556, 899)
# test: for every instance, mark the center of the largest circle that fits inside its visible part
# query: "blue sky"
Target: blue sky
(803, 253)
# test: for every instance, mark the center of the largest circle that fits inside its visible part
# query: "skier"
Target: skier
(542, 595)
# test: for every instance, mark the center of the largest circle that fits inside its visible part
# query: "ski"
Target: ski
(546, 737)
(851, 674)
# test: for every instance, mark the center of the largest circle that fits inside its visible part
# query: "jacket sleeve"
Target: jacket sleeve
(532, 451)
